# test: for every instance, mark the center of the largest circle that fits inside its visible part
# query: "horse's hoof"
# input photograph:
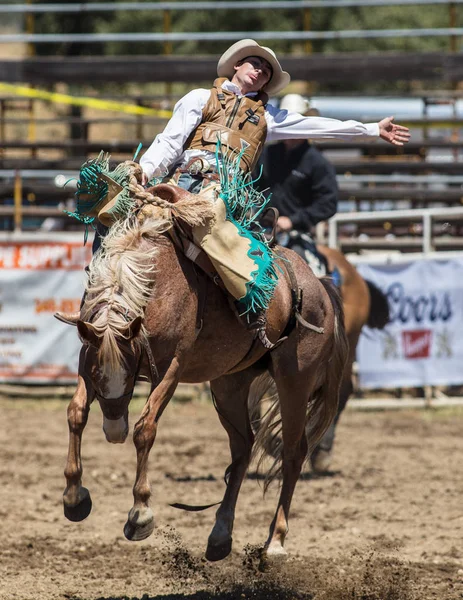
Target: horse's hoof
(139, 528)
(272, 557)
(219, 552)
(80, 511)
(321, 461)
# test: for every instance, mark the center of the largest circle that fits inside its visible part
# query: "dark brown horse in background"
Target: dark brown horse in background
(364, 304)
(140, 319)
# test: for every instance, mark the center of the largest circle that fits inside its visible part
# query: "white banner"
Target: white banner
(37, 279)
(423, 344)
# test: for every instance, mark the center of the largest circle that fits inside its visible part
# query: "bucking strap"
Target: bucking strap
(296, 301)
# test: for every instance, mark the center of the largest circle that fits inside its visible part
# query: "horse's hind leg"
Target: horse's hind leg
(76, 498)
(293, 391)
(231, 395)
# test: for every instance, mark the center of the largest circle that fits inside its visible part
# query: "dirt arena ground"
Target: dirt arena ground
(385, 524)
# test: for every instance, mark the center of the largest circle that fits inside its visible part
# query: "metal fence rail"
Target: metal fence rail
(425, 215)
(52, 38)
(168, 36)
(214, 6)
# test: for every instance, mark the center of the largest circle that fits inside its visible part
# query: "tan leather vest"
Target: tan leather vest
(239, 122)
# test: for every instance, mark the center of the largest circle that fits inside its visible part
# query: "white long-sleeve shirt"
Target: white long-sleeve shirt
(167, 151)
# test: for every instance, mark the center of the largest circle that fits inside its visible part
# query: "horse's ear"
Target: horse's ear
(87, 333)
(132, 329)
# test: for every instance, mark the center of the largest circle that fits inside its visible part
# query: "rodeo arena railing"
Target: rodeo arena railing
(400, 218)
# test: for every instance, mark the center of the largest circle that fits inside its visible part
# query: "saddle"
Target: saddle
(181, 235)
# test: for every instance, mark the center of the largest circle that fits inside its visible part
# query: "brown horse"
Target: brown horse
(149, 312)
(364, 304)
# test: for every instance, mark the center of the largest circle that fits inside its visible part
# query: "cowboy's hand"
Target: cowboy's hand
(284, 224)
(144, 179)
(392, 133)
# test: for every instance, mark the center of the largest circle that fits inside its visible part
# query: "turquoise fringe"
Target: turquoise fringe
(243, 205)
(91, 190)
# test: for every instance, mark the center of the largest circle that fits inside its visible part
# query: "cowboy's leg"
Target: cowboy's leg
(229, 251)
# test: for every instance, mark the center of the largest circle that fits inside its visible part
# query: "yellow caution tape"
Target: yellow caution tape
(130, 109)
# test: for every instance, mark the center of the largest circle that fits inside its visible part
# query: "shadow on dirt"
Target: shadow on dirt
(188, 478)
(258, 593)
(305, 476)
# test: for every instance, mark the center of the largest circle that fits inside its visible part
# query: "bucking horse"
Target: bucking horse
(149, 312)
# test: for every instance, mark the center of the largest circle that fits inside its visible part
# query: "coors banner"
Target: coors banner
(423, 343)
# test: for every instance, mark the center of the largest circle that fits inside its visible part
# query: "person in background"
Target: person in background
(302, 186)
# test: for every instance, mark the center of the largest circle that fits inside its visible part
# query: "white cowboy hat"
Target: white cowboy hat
(244, 48)
(295, 103)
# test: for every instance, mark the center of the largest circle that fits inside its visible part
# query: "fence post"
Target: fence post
(427, 233)
(139, 122)
(307, 26)
(455, 136)
(453, 23)
(167, 28)
(31, 128)
(332, 233)
(18, 193)
(2, 125)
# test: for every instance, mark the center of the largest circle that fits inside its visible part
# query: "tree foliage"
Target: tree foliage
(246, 21)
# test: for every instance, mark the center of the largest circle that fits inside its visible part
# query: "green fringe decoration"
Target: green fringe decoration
(89, 185)
(244, 204)
(91, 190)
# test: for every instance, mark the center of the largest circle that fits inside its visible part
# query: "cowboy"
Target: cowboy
(248, 74)
(233, 120)
(301, 184)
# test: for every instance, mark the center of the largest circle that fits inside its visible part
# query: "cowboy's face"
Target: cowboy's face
(253, 72)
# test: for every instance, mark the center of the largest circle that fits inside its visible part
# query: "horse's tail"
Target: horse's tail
(378, 316)
(321, 407)
(264, 411)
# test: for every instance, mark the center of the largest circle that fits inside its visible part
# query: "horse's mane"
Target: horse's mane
(119, 282)
(121, 273)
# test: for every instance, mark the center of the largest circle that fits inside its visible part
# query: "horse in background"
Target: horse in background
(364, 304)
(150, 313)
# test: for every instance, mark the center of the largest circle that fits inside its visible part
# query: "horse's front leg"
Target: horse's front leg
(140, 522)
(76, 498)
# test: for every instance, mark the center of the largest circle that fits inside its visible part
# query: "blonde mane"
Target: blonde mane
(121, 274)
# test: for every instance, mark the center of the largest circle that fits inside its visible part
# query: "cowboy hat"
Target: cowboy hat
(295, 103)
(244, 48)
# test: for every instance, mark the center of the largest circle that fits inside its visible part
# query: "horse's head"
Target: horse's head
(111, 364)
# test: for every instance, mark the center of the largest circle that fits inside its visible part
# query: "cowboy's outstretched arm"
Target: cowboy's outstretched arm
(392, 133)
(283, 125)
